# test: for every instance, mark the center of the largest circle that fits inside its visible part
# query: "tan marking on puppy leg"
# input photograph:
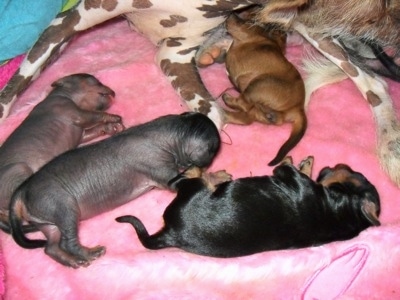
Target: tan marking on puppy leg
(214, 178)
(306, 165)
(288, 160)
(193, 172)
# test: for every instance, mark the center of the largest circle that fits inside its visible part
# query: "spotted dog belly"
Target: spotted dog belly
(158, 26)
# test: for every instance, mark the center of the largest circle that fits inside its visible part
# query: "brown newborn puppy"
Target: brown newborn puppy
(72, 113)
(271, 89)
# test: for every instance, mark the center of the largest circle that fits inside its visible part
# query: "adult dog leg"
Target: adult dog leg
(177, 60)
(51, 43)
(375, 91)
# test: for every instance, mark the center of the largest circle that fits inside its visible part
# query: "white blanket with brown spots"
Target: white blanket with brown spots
(341, 130)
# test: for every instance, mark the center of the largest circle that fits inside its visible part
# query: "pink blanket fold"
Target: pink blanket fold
(341, 130)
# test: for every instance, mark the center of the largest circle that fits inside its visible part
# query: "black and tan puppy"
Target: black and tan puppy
(271, 89)
(90, 180)
(71, 114)
(250, 215)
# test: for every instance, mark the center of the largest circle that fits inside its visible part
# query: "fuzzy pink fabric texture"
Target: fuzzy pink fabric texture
(341, 130)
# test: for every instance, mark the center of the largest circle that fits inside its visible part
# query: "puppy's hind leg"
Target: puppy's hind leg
(209, 179)
(53, 249)
(62, 235)
(306, 165)
(81, 256)
(287, 160)
(240, 115)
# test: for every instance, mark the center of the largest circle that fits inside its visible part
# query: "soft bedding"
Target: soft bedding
(341, 130)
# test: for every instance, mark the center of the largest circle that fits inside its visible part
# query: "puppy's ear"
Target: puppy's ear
(370, 211)
(58, 83)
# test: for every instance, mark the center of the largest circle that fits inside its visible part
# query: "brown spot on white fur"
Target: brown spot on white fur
(17, 83)
(187, 51)
(53, 34)
(349, 68)
(174, 42)
(373, 99)
(180, 75)
(141, 4)
(329, 47)
(222, 8)
(108, 5)
(173, 20)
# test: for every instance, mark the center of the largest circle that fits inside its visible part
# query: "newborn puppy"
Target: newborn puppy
(96, 178)
(69, 115)
(250, 215)
(271, 89)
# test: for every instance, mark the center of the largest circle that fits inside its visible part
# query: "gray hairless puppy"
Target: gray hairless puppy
(92, 179)
(72, 113)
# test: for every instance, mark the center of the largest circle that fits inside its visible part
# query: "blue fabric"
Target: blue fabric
(22, 21)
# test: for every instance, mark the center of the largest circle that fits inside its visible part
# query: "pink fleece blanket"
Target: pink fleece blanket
(341, 130)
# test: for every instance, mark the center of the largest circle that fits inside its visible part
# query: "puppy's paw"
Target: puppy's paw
(110, 118)
(217, 177)
(113, 128)
(95, 252)
(210, 56)
(88, 255)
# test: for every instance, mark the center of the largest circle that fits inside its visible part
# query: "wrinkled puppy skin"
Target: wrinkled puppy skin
(96, 178)
(72, 113)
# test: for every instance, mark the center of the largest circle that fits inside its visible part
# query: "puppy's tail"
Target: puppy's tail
(154, 242)
(17, 229)
(299, 126)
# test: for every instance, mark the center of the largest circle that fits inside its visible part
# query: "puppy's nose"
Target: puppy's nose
(107, 91)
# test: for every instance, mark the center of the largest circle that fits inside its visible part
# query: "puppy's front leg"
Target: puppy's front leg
(100, 130)
(214, 178)
(209, 179)
(88, 119)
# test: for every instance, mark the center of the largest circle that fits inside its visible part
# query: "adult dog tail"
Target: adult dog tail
(299, 125)
(17, 229)
(154, 242)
